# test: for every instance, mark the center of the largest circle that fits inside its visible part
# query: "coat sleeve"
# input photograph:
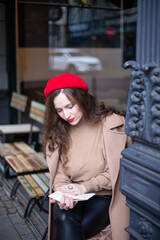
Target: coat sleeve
(60, 178)
(52, 161)
(99, 183)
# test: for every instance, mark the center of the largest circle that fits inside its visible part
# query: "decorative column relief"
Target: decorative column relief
(145, 228)
(140, 163)
(143, 109)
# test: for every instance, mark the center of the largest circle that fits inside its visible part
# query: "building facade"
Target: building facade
(41, 39)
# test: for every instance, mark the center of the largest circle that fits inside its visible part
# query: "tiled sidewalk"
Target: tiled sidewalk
(12, 225)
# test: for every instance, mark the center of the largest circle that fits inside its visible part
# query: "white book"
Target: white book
(82, 197)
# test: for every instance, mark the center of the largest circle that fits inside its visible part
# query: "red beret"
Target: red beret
(65, 80)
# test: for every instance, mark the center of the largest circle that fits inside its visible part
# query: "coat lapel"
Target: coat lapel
(114, 141)
(52, 160)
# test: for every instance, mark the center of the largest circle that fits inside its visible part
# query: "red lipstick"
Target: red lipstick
(70, 120)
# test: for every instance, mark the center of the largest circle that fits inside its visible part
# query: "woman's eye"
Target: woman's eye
(58, 110)
(70, 106)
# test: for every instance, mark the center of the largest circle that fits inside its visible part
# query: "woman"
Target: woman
(83, 141)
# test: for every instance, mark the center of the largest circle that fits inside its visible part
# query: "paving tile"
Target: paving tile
(15, 218)
(7, 230)
(1, 194)
(12, 224)
(22, 228)
(29, 237)
(4, 197)
(1, 204)
(3, 211)
(12, 210)
(9, 203)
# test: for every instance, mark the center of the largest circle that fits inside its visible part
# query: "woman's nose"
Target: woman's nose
(66, 114)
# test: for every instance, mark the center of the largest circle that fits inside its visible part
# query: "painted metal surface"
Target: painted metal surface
(140, 164)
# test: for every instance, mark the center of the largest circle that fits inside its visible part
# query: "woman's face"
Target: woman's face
(67, 110)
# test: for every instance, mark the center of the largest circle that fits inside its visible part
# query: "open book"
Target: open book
(83, 197)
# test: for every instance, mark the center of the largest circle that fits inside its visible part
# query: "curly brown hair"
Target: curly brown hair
(56, 130)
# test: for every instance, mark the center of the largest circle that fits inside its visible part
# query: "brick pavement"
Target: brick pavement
(12, 224)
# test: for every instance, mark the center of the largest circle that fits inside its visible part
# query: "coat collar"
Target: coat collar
(112, 121)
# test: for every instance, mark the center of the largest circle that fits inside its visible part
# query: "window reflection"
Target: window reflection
(88, 42)
(73, 60)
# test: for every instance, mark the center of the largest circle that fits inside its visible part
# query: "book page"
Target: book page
(82, 197)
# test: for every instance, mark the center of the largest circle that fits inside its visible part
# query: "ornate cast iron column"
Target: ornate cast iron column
(140, 164)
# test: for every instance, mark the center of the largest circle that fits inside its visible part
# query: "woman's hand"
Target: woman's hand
(72, 189)
(52, 200)
(67, 202)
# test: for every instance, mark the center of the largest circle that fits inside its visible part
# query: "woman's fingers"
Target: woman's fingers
(52, 201)
(64, 189)
(72, 189)
(62, 202)
(66, 202)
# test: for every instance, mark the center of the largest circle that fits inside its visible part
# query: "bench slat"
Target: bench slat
(38, 105)
(12, 161)
(37, 112)
(27, 187)
(47, 175)
(19, 162)
(18, 128)
(14, 148)
(18, 101)
(31, 163)
(34, 185)
(35, 157)
(36, 117)
(19, 96)
(44, 179)
(8, 149)
(24, 147)
(18, 107)
(40, 182)
(4, 150)
(41, 155)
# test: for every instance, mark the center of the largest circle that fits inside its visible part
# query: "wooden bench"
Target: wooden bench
(37, 112)
(19, 156)
(18, 101)
(29, 166)
(36, 115)
(15, 132)
(37, 187)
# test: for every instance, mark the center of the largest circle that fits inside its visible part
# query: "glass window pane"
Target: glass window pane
(92, 42)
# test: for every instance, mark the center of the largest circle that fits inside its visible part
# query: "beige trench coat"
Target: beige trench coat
(115, 141)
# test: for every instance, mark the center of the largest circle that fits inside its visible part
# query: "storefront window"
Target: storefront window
(89, 38)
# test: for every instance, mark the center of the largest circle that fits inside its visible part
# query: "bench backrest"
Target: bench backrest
(37, 113)
(18, 101)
